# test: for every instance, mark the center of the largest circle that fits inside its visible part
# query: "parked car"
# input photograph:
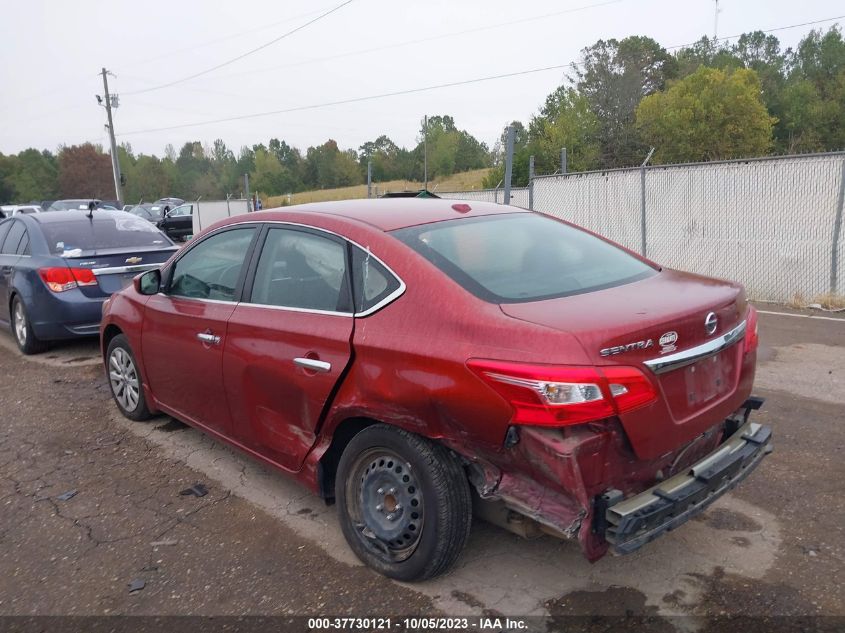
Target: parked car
(7, 211)
(169, 202)
(178, 223)
(79, 204)
(149, 212)
(404, 356)
(56, 269)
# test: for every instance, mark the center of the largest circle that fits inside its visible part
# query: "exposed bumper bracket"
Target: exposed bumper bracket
(632, 523)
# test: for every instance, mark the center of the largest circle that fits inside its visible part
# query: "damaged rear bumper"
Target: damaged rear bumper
(640, 519)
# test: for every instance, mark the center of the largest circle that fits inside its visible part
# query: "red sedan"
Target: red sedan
(411, 359)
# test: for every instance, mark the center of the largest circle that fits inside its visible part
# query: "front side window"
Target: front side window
(181, 211)
(212, 268)
(522, 257)
(301, 270)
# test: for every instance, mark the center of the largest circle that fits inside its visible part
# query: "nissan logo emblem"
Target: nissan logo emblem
(710, 322)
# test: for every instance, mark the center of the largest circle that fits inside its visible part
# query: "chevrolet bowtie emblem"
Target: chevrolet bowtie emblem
(134, 260)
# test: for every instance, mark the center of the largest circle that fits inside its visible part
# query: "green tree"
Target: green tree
(7, 167)
(148, 180)
(267, 177)
(519, 177)
(385, 156)
(813, 111)
(566, 120)
(613, 76)
(191, 164)
(709, 115)
(449, 149)
(33, 176)
(292, 163)
(327, 167)
(705, 52)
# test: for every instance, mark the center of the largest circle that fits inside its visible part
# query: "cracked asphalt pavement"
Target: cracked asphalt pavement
(258, 543)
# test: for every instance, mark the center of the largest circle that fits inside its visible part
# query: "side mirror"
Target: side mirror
(148, 283)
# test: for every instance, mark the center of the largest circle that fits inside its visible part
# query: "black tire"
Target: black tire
(125, 382)
(386, 472)
(22, 331)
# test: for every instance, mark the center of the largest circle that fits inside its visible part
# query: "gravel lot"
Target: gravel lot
(259, 544)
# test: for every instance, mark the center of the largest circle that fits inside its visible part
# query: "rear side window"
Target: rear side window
(77, 237)
(212, 268)
(23, 245)
(522, 257)
(301, 270)
(373, 282)
(13, 239)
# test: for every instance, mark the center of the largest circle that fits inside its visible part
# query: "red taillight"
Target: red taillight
(629, 388)
(62, 278)
(548, 395)
(752, 338)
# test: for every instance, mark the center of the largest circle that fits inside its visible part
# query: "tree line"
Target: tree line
(214, 171)
(708, 101)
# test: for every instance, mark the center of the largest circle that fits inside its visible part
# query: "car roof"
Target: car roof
(389, 214)
(77, 215)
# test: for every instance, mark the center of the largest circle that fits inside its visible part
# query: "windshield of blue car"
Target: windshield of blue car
(112, 231)
(521, 257)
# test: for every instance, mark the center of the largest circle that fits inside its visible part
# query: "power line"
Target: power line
(351, 100)
(170, 53)
(423, 40)
(452, 84)
(242, 55)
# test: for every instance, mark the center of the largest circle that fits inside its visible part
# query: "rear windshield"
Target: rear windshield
(83, 237)
(522, 257)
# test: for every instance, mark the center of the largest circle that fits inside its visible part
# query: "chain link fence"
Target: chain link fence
(519, 195)
(774, 224)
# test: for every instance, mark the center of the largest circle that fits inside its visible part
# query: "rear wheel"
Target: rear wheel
(22, 329)
(127, 388)
(404, 503)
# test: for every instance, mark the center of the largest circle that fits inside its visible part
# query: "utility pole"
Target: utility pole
(716, 21)
(112, 101)
(425, 152)
(370, 178)
(509, 163)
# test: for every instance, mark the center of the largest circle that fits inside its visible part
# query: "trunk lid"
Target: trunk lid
(114, 269)
(649, 319)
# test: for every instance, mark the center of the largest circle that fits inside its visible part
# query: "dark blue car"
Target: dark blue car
(56, 269)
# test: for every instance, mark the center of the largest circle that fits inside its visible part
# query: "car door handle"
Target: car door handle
(208, 337)
(314, 365)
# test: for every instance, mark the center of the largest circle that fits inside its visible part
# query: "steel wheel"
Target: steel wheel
(385, 504)
(403, 501)
(19, 322)
(123, 378)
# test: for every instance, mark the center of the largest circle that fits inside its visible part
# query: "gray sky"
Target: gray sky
(52, 52)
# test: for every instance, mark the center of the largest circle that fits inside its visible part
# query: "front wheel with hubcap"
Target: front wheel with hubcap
(404, 503)
(27, 342)
(125, 380)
